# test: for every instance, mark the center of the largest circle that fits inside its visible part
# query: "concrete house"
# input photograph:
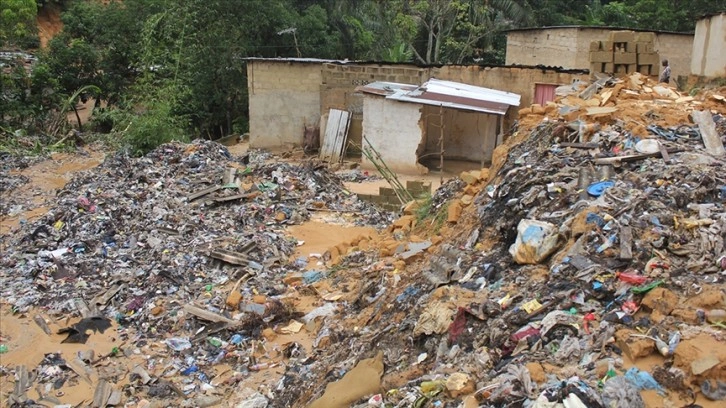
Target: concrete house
(411, 126)
(709, 58)
(570, 47)
(289, 95)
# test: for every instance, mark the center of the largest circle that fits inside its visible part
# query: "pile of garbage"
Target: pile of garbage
(150, 247)
(585, 268)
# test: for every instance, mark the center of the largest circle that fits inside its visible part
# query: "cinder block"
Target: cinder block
(648, 59)
(608, 46)
(625, 58)
(601, 56)
(608, 68)
(645, 37)
(645, 69)
(596, 67)
(622, 36)
(632, 68)
(644, 47)
(621, 69)
(623, 47)
(595, 46)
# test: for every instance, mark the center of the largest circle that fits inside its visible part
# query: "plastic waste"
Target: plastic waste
(631, 278)
(597, 189)
(178, 343)
(3, 348)
(536, 240)
(643, 380)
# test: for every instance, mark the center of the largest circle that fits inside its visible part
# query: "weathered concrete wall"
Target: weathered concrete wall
(394, 130)
(709, 47)
(554, 47)
(569, 47)
(467, 135)
(283, 98)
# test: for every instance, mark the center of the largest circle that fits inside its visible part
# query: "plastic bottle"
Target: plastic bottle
(716, 315)
(3, 348)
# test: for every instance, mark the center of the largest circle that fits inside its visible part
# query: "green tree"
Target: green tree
(452, 31)
(17, 20)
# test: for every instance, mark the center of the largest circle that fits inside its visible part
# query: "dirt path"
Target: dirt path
(45, 179)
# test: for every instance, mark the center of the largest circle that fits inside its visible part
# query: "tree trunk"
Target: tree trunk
(78, 117)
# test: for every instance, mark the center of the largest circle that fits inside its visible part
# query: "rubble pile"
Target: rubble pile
(153, 244)
(584, 268)
(587, 271)
(9, 181)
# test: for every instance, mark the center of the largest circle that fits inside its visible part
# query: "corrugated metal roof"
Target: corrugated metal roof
(583, 27)
(384, 88)
(448, 94)
(299, 60)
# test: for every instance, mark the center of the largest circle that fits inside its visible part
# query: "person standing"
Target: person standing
(665, 76)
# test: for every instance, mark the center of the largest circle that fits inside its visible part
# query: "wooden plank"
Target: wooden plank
(710, 137)
(336, 136)
(207, 315)
(580, 145)
(234, 197)
(331, 130)
(633, 157)
(626, 243)
(664, 153)
(202, 193)
(230, 257)
(341, 137)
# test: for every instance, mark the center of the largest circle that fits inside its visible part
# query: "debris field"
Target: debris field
(584, 268)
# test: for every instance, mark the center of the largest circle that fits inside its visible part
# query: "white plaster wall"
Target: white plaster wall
(467, 135)
(709, 47)
(393, 128)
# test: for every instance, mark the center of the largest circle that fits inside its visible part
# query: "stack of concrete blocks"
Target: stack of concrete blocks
(388, 200)
(624, 53)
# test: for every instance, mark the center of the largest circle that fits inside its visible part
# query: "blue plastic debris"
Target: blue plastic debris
(313, 276)
(642, 380)
(596, 189)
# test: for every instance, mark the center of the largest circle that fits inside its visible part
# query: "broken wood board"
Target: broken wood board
(633, 157)
(234, 197)
(626, 243)
(234, 258)
(202, 193)
(600, 110)
(207, 315)
(580, 145)
(707, 128)
(664, 153)
(336, 136)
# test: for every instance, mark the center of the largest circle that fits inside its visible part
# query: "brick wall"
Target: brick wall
(283, 98)
(569, 47)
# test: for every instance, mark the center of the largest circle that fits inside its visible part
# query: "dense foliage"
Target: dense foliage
(172, 69)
